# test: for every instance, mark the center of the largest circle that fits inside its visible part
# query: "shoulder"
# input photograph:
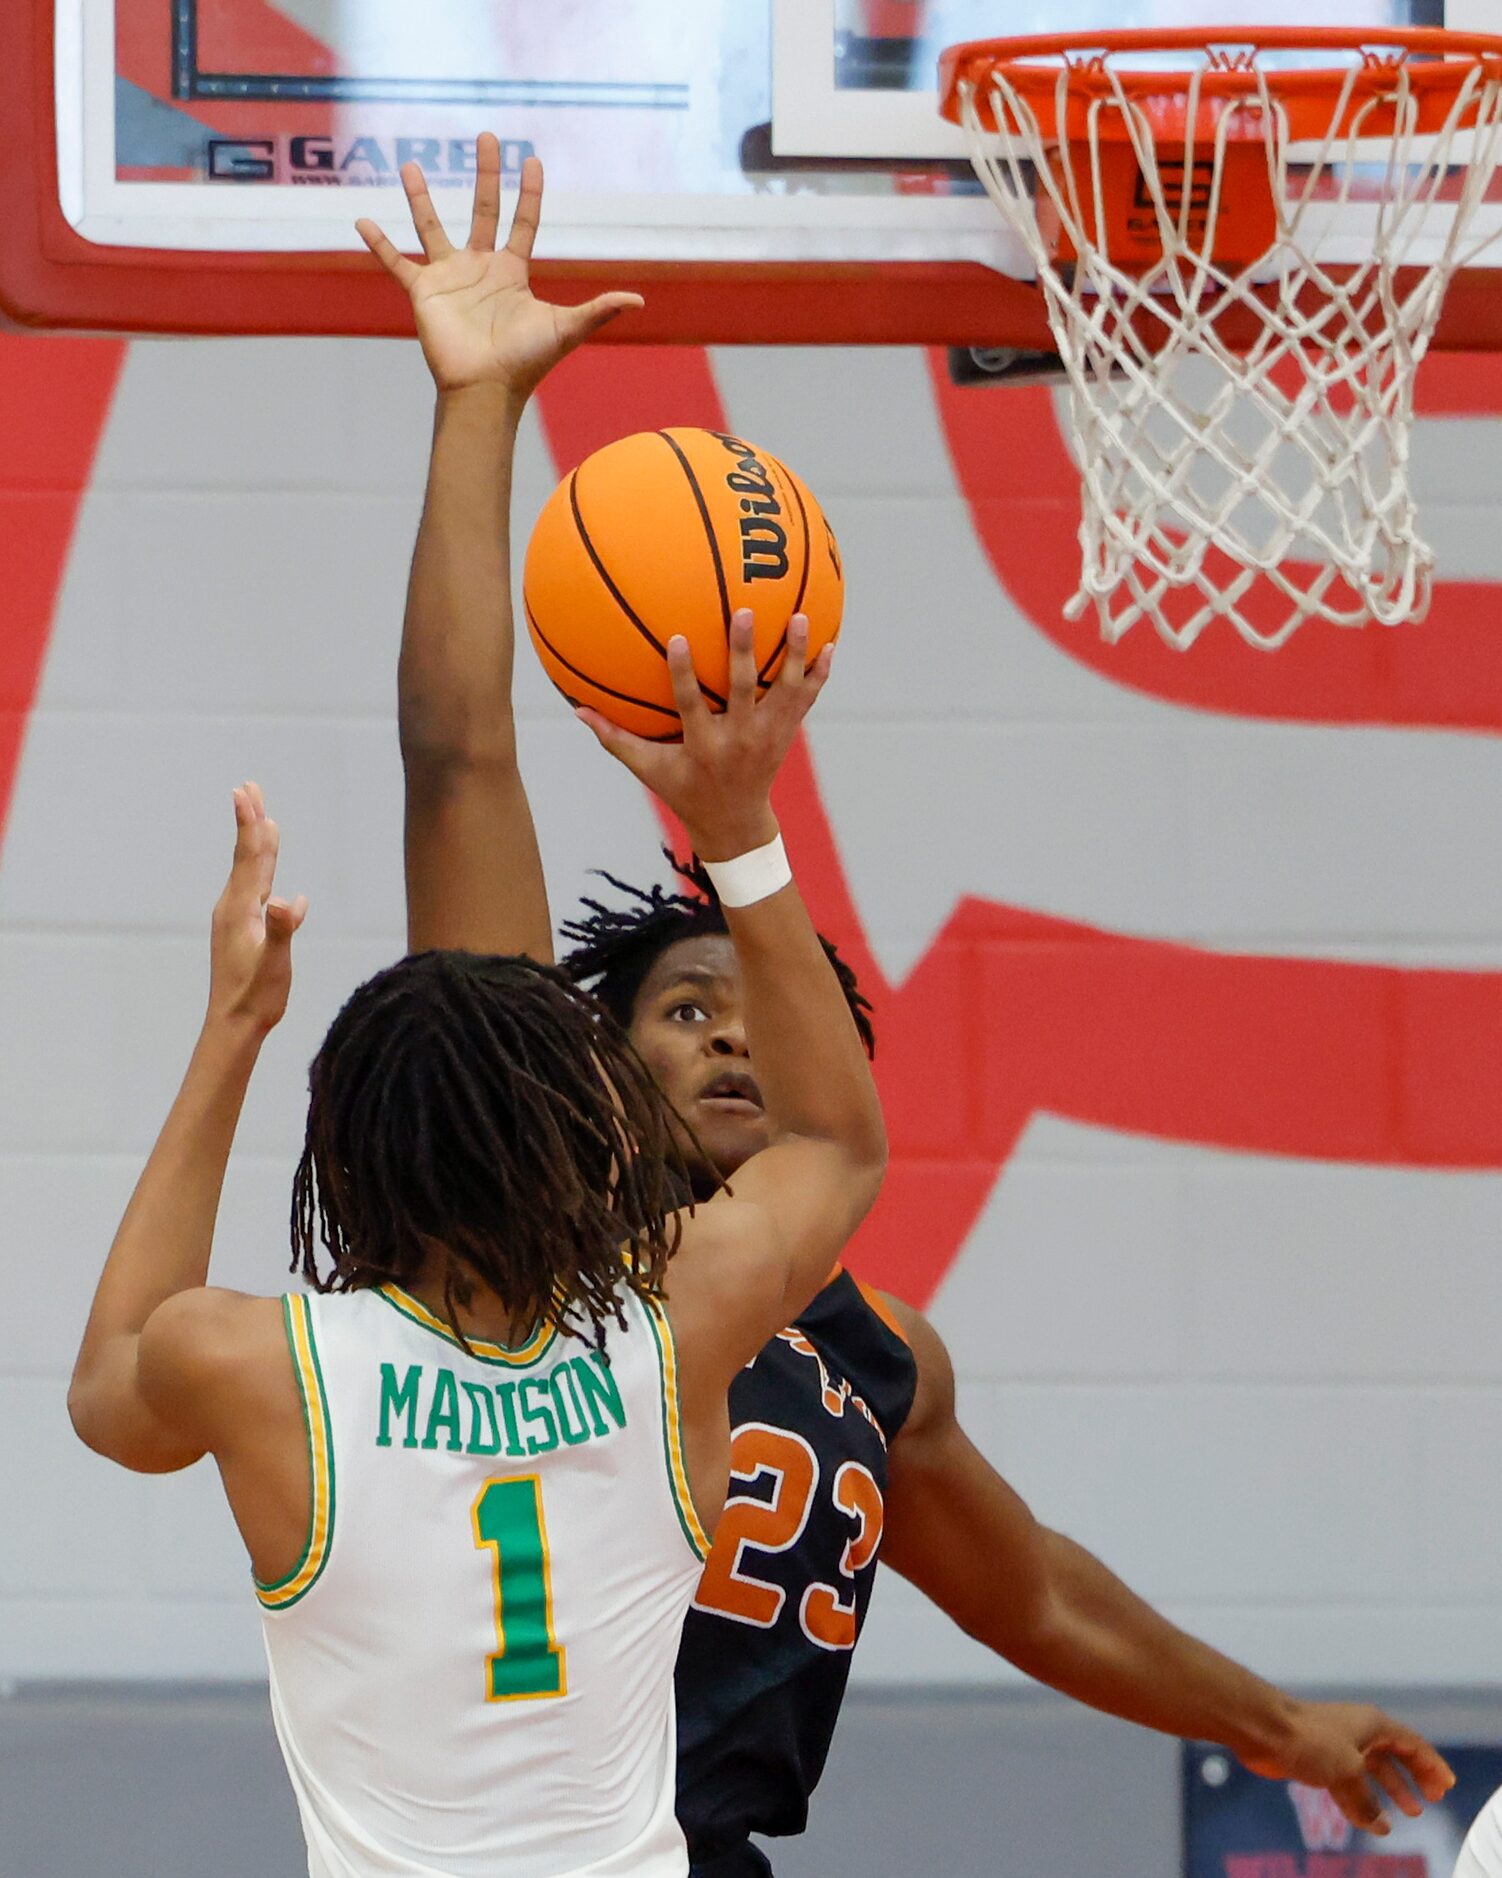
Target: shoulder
(204, 1352)
(934, 1399)
(207, 1327)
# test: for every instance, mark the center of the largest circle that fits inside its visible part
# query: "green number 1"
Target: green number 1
(508, 1520)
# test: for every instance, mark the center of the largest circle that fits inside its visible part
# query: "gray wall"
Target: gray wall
(140, 1781)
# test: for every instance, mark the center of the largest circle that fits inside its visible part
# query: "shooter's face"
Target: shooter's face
(688, 1027)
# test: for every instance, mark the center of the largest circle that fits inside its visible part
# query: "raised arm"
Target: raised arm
(474, 875)
(753, 1257)
(150, 1294)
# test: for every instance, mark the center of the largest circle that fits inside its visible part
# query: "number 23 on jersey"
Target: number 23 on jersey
(776, 1524)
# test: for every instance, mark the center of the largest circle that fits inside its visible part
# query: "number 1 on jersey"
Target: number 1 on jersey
(508, 1520)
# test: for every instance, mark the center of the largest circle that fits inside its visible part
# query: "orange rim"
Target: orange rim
(1439, 65)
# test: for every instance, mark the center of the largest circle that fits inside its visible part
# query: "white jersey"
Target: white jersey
(472, 1665)
(1481, 1855)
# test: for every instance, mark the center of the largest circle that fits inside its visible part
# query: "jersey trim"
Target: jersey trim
(298, 1317)
(884, 1311)
(672, 1432)
(532, 1351)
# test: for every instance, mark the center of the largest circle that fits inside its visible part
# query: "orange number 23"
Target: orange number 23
(774, 1524)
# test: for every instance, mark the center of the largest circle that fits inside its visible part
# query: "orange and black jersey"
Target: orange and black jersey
(766, 1649)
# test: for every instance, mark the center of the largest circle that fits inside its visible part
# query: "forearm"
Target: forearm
(473, 870)
(163, 1244)
(454, 678)
(1098, 1642)
(811, 1067)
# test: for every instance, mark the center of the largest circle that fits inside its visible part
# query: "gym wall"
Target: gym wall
(1188, 971)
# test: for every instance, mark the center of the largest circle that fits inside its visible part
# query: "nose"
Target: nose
(728, 1040)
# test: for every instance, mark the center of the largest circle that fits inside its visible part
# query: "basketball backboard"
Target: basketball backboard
(762, 170)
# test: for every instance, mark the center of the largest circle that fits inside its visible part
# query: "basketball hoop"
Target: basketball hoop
(1241, 390)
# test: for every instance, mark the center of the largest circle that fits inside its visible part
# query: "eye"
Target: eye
(688, 1013)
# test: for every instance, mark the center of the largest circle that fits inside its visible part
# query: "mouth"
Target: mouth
(733, 1092)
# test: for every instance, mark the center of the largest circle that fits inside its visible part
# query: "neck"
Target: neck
(486, 1315)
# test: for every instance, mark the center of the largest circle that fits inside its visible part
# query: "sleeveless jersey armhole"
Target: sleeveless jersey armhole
(672, 1430)
(884, 1311)
(297, 1315)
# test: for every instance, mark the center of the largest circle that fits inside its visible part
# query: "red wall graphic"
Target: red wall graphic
(1013, 1013)
(54, 397)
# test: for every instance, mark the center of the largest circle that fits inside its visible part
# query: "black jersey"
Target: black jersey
(766, 1648)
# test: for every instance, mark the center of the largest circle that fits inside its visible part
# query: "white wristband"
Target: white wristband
(751, 877)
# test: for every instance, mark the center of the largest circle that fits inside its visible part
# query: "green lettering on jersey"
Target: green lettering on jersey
(571, 1423)
(538, 1415)
(444, 1412)
(481, 1409)
(506, 1396)
(398, 1400)
(598, 1383)
(578, 1400)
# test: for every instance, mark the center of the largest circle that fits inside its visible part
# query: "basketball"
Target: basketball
(673, 531)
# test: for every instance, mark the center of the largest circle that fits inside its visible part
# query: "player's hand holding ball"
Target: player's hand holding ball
(717, 780)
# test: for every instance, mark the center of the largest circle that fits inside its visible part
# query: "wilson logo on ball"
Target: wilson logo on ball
(764, 540)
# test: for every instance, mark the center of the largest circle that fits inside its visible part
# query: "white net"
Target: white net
(1242, 429)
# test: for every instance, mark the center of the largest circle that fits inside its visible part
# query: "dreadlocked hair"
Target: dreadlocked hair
(614, 947)
(488, 1112)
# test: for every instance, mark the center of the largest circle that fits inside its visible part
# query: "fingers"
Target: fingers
(240, 896)
(793, 673)
(687, 697)
(430, 232)
(528, 211)
(1389, 1777)
(742, 663)
(250, 829)
(387, 253)
(1428, 1769)
(283, 919)
(1360, 1804)
(486, 216)
(257, 842)
(578, 323)
(635, 752)
(787, 699)
(798, 681)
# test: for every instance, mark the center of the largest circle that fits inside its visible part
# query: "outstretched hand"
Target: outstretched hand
(477, 318)
(250, 949)
(718, 780)
(1359, 1755)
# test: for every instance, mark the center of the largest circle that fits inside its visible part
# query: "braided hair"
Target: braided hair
(485, 1110)
(614, 948)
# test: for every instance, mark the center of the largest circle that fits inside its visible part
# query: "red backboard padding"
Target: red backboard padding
(51, 278)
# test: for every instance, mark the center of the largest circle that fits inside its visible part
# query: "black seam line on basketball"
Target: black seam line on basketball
(807, 545)
(578, 704)
(625, 697)
(620, 598)
(763, 682)
(709, 534)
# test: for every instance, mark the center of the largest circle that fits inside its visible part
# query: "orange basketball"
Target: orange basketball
(672, 531)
